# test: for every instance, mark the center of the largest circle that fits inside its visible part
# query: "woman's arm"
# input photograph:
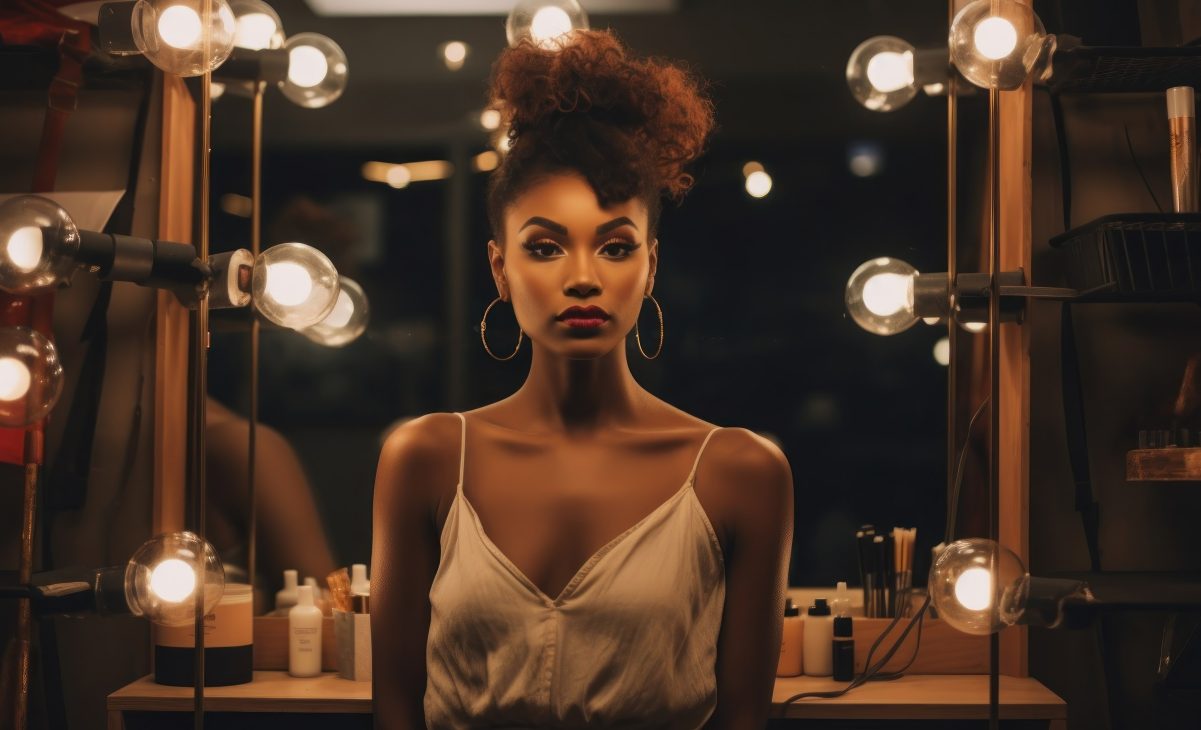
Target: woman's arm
(759, 541)
(404, 557)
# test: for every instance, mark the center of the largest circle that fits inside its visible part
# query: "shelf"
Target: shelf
(1164, 465)
(1114, 69)
(1135, 257)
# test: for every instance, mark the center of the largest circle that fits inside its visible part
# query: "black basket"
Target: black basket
(1135, 257)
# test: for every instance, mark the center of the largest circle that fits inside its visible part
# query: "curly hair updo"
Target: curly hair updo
(629, 126)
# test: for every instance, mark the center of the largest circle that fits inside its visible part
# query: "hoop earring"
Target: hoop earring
(638, 336)
(484, 328)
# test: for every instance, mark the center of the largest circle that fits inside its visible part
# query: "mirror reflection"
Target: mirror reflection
(797, 185)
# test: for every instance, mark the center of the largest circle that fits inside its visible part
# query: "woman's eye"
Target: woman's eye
(541, 249)
(622, 248)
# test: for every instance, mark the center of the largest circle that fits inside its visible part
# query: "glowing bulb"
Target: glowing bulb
(25, 248)
(173, 580)
(974, 327)
(399, 176)
(454, 54)
(342, 311)
(886, 294)
(973, 589)
(490, 119)
(889, 71)
(255, 31)
(14, 379)
(288, 283)
(995, 38)
(549, 23)
(307, 66)
(942, 352)
(179, 26)
(758, 184)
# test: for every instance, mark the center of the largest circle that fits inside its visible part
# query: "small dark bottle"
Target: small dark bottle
(844, 650)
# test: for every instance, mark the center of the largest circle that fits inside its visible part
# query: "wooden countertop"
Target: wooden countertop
(917, 696)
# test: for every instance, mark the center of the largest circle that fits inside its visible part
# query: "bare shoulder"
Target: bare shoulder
(742, 457)
(746, 484)
(421, 457)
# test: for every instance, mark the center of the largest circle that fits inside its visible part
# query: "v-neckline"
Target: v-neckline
(584, 569)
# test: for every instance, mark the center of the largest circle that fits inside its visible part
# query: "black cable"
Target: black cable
(1134, 159)
(1065, 163)
(954, 507)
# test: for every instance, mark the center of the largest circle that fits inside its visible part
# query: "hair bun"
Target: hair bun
(591, 101)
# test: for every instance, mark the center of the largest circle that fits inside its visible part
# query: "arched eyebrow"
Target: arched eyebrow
(562, 229)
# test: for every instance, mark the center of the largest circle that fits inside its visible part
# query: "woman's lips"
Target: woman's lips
(584, 322)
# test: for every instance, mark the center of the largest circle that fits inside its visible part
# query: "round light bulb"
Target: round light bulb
(169, 573)
(758, 184)
(942, 352)
(294, 285)
(184, 37)
(179, 26)
(258, 25)
(317, 70)
(973, 589)
(307, 66)
(14, 379)
(889, 70)
(31, 376)
(546, 23)
(886, 294)
(977, 586)
(999, 43)
(454, 54)
(288, 284)
(490, 119)
(346, 321)
(173, 580)
(25, 248)
(879, 296)
(880, 73)
(995, 38)
(399, 176)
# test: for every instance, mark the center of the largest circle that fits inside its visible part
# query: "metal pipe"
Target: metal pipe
(952, 262)
(256, 183)
(994, 352)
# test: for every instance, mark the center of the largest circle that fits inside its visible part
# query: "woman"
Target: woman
(536, 561)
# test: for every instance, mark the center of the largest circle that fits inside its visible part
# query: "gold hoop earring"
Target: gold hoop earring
(638, 336)
(484, 339)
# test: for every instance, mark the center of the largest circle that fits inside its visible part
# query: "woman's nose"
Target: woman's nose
(582, 279)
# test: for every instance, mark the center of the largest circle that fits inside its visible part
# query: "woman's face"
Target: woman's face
(563, 250)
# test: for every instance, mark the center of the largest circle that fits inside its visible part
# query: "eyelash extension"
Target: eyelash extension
(625, 245)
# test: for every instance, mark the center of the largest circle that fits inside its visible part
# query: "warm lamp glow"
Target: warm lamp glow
(307, 66)
(25, 248)
(173, 580)
(889, 71)
(995, 38)
(179, 26)
(973, 589)
(549, 23)
(886, 294)
(758, 184)
(288, 283)
(14, 379)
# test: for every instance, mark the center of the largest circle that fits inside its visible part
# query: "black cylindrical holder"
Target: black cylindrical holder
(931, 66)
(116, 29)
(74, 592)
(1046, 599)
(269, 65)
(972, 294)
(930, 297)
(158, 264)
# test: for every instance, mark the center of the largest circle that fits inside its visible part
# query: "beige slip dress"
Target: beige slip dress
(630, 641)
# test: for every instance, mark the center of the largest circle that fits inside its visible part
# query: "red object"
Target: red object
(38, 22)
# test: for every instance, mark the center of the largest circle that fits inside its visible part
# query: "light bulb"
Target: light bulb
(974, 327)
(14, 379)
(38, 243)
(454, 54)
(995, 38)
(999, 43)
(172, 580)
(288, 283)
(978, 586)
(184, 37)
(490, 119)
(880, 73)
(546, 23)
(31, 376)
(758, 184)
(258, 25)
(879, 296)
(317, 70)
(346, 321)
(942, 351)
(162, 578)
(294, 285)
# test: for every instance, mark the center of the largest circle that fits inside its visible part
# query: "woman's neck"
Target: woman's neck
(578, 396)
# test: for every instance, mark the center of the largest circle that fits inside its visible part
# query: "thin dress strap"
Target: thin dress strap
(692, 474)
(462, 452)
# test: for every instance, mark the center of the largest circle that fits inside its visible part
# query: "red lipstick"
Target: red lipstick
(583, 316)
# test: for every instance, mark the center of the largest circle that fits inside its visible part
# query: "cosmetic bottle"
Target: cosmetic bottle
(791, 660)
(819, 633)
(304, 636)
(359, 585)
(285, 597)
(1182, 128)
(843, 646)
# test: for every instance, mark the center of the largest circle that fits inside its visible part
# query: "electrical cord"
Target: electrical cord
(953, 512)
